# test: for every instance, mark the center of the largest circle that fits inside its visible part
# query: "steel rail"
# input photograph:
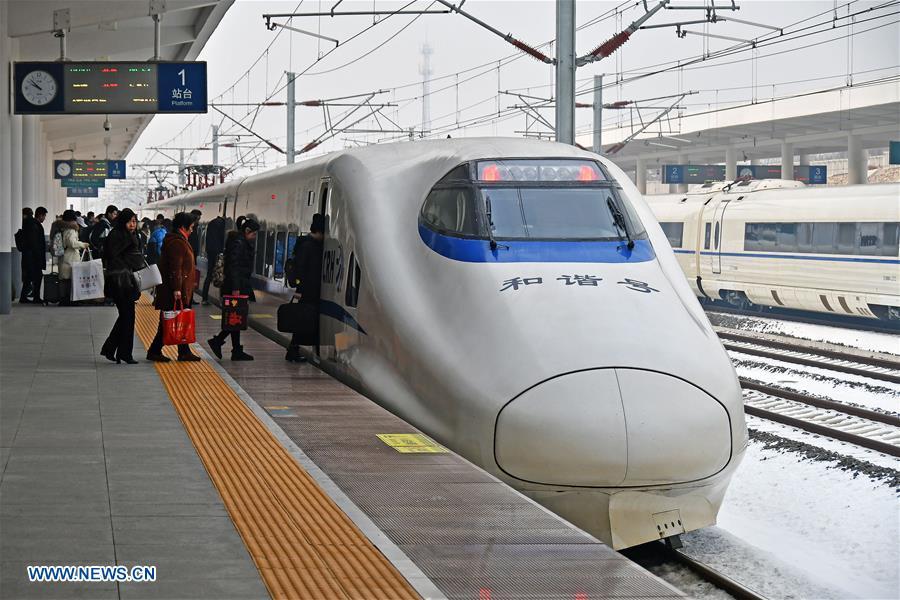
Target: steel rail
(874, 361)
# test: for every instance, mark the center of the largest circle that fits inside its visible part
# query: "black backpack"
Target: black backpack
(20, 240)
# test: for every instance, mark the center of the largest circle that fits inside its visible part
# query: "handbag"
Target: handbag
(148, 277)
(87, 278)
(235, 312)
(299, 318)
(179, 325)
(218, 278)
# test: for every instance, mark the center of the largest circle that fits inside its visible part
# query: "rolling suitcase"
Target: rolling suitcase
(51, 286)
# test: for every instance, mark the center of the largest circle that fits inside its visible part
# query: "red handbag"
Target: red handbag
(179, 326)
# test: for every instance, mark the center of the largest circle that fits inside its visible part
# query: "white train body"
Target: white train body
(580, 372)
(782, 244)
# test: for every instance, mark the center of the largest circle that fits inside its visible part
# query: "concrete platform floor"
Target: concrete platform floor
(96, 469)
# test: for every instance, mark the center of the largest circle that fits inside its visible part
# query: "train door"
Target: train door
(330, 256)
(718, 233)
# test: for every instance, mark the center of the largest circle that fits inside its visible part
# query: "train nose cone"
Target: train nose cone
(613, 427)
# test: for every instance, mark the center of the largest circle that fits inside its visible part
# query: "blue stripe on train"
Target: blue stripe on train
(884, 261)
(517, 251)
(336, 311)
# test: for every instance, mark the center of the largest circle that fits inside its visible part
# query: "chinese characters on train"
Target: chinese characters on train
(634, 285)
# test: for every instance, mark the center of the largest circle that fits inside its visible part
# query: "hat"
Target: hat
(318, 223)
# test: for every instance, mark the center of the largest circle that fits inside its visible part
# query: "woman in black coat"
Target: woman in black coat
(121, 258)
(237, 280)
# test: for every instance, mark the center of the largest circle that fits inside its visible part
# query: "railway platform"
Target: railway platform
(252, 480)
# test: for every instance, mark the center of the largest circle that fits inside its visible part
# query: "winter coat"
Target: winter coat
(215, 239)
(34, 256)
(194, 241)
(121, 258)
(99, 232)
(176, 266)
(308, 268)
(155, 243)
(238, 265)
(73, 249)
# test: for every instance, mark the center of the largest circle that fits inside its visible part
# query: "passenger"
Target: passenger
(238, 268)
(121, 259)
(71, 255)
(34, 255)
(215, 245)
(308, 271)
(195, 235)
(102, 229)
(85, 234)
(154, 244)
(143, 235)
(176, 265)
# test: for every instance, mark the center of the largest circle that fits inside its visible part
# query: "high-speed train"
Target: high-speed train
(777, 243)
(517, 301)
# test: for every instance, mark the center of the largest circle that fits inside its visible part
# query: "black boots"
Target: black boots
(293, 355)
(238, 353)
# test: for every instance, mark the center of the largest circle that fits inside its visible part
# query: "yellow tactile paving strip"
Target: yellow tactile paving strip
(303, 544)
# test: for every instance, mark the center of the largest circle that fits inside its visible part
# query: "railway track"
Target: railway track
(657, 553)
(808, 354)
(852, 424)
(844, 322)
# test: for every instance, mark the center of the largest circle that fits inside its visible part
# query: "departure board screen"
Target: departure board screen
(109, 87)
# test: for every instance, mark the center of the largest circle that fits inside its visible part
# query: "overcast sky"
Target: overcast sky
(465, 73)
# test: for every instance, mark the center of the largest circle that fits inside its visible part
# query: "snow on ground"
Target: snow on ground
(791, 528)
(837, 386)
(825, 443)
(864, 340)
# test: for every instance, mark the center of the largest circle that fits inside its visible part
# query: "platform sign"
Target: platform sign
(71, 182)
(109, 87)
(894, 155)
(812, 174)
(693, 173)
(82, 192)
(79, 169)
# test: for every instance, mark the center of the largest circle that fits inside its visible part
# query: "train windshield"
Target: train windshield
(530, 200)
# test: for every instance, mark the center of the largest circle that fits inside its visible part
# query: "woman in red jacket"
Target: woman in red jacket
(176, 265)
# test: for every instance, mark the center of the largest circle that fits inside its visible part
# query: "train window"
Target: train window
(451, 210)
(460, 173)
(270, 253)
(823, 238)
(504, 213)
(717, 236)
(354, 277)
(706, 236)
(674, 232)
(786, 237)
(891, 240)
(259, 266)
(804, 237)
(570, 213)
(847, 238)
(280, 253)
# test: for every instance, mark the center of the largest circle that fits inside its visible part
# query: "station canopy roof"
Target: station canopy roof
(814, 123)
(107, 30)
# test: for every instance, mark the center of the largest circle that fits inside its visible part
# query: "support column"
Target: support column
(598, 114)
(787, 161)
(6, 223)
(857, 169)
(804, 160)
(730, 164)
(682, 188)
(640, 175)
(29, 177)
(15, 216)
(565, 71)
(290, 150)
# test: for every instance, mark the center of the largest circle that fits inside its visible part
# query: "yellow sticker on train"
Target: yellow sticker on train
(412, 443)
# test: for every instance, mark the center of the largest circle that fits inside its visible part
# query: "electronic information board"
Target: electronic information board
(811, 174)
(77, 168)
(70, 182)
(109, 87)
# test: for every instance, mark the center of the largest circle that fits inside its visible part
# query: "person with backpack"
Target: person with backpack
(237, 280)
(30, 241)
(155, 243)
(102, 229)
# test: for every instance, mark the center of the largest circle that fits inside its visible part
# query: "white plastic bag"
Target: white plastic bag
(87, 278)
